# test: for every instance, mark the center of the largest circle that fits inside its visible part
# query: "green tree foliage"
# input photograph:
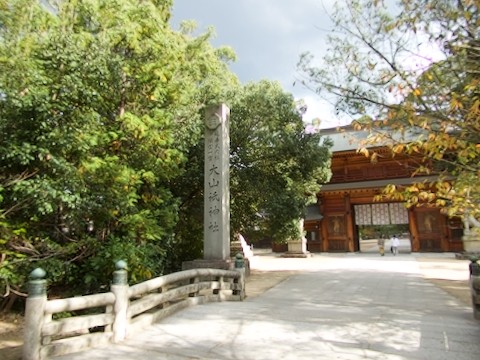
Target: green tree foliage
(101, 142)
(411, 73)
(276, 167)
(99, 108)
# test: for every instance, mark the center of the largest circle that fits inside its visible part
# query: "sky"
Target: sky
(268, 37)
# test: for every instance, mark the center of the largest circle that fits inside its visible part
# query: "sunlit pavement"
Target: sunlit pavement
(339, 306)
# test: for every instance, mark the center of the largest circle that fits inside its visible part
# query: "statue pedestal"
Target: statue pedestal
(297, 249)
(471, 247)
(471, 243)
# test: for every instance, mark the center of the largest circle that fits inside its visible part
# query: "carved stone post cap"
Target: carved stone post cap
(37, 286)
(239, 261)
(37, 274)
(121, 265)
(120, 276)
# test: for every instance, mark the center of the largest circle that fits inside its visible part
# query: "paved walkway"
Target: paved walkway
(347, 306)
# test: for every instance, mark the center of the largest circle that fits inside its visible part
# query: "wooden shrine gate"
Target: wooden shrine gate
(347, 201)
(337, 231)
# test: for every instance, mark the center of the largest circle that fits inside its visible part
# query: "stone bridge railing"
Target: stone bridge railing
(114, 315)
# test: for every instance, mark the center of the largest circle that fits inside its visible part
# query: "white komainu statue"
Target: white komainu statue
(470, 222)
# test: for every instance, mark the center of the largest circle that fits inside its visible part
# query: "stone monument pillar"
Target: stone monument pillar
(216, 239)
(216, 242)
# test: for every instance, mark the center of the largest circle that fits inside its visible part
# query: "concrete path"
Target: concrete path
(348, 306)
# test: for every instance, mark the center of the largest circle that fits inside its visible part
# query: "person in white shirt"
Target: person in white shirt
(395, 242)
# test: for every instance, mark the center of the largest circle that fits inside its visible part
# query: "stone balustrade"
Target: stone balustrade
(112, 316)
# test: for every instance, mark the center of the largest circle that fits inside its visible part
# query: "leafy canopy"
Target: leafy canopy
(276, 167)
(99, 107)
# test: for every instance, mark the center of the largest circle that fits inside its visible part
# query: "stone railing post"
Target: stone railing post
(474, 268)
(240, 267)
(34, 315)
(119, 288)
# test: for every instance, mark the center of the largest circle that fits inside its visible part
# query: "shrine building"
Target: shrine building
(347, 204)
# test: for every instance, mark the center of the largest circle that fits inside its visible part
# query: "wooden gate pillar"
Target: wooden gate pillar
(412, 221)
(349, 223)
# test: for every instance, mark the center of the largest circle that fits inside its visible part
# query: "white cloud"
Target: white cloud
(284, 16)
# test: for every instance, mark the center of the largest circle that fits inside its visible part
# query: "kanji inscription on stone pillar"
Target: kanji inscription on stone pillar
(216, 244)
